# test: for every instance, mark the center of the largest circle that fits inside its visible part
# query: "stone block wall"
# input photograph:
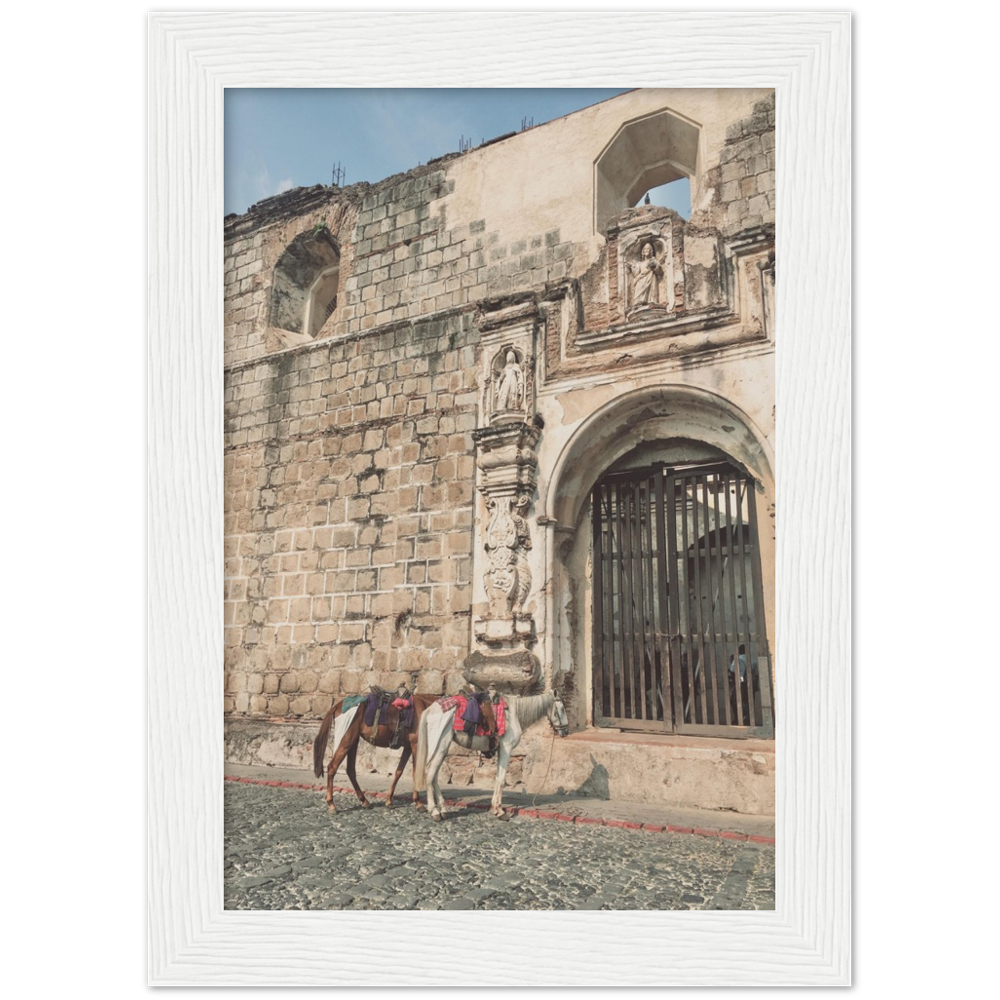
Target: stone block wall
(410, 262)
(744, 178)
(348, 512)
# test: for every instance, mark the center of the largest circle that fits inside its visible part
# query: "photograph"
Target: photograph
(500, 496)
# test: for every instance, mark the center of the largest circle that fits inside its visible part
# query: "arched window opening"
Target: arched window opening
(304, 288)
(675, 195)
(645, 154)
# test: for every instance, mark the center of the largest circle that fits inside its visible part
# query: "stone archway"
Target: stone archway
(641, 420)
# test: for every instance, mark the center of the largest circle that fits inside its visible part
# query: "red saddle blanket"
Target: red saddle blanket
(459, 701)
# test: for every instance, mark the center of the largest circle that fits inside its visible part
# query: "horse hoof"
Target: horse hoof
(365, 804)
(420, 806)
(331, 808)
(388, 803)
(436, 817)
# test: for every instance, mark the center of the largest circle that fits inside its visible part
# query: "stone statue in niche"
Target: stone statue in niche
(509, 385)
(508, 578)
(647, 276)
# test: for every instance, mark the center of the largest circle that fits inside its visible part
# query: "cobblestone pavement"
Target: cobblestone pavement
(283, 850)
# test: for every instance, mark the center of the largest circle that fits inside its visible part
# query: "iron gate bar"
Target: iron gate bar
(751, 706)
(673, 597)
(599, 533)
(699, 482)
(613, 594)
(625, 540)
(649, 568)
(720, 594)
(625, 603)
(720, 713)
(690, 709)
(664, 582)
(639, 565)
(720, 691)
(735, 624)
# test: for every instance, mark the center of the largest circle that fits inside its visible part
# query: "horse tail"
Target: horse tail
(319, 745)
(420, 767)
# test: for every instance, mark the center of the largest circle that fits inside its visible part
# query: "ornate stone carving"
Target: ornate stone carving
(649, 268)
(507, 465)
(506, 459)
(508, 386)
(647, 274)
(508, 578)
(516, 670)
(509, 394)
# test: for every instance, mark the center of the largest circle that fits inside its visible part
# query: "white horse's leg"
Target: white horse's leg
(503, 759)
(435, 734)
(435, 800)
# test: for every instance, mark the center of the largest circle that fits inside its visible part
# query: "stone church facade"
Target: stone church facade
(492, 421)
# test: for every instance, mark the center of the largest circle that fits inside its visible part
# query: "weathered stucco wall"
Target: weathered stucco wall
(367, 466)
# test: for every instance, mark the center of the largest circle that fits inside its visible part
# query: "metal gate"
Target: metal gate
(679, 639)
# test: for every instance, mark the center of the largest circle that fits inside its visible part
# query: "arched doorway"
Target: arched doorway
(662, 553)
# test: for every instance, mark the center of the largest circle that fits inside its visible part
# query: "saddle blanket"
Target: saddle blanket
(460, 703)
(343, 722)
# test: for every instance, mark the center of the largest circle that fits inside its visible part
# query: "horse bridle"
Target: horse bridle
(558, 730)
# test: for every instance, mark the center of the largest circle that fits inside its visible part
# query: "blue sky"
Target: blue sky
(278, 139)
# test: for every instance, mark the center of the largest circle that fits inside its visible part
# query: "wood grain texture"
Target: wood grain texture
(192, 58)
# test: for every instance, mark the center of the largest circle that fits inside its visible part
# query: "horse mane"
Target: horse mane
(530, 708)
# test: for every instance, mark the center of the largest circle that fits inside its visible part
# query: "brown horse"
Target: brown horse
(357, 730)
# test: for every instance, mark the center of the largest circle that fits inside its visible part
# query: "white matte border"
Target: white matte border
(192, 58)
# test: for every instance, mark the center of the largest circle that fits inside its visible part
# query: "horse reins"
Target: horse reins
(552, 749)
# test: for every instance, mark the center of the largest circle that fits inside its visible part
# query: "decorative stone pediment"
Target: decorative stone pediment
(665, 289)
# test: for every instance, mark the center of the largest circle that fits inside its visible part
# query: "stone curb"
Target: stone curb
(528, 813)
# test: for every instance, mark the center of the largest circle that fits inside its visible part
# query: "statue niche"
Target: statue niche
(507, 380)
(648, 276)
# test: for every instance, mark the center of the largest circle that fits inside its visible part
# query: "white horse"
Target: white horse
(436, 733)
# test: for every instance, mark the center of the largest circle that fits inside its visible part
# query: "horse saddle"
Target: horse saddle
(475, 726)
(383, 711)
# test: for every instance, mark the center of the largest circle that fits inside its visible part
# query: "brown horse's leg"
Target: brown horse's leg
(335, 762)
(404, 757)
(352, 756)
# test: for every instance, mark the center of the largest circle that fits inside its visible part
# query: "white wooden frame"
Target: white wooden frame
(192, 58)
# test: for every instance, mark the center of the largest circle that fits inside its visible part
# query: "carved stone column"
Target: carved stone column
(504, 627)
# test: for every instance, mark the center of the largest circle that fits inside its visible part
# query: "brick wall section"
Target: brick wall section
(410, 263)
(348, 516)
(744, 180)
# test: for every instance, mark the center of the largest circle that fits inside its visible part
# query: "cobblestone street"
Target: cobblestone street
(284, 851)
